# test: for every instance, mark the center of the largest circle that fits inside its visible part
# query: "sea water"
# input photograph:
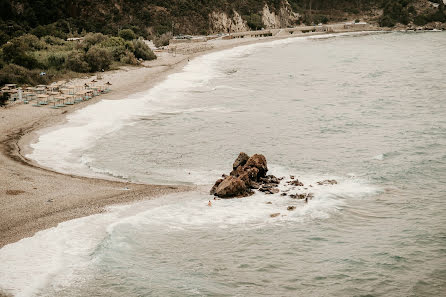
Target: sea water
(368, 110)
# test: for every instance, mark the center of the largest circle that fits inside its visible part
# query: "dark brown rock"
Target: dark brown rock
(327, 182)
(290, 208)
(296, 183)
(237, 171)
(240, 161)
(258, 161)
(232, 187)
(273, 215)
(249, 176)
(217, 183)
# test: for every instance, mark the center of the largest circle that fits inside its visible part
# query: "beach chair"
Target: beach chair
(69, 99)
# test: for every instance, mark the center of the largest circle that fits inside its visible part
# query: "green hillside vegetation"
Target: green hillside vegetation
(31, 60)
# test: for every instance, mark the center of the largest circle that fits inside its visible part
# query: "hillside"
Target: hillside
(153, 17)
(33, 33)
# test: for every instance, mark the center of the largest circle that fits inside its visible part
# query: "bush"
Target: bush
(98, 58)
(127, 34)
(51, 40)
(50, 29)
(76, 62)
(112, 42)
(31, 42)
(56, 61)
(129, 58)
(420, 20)
(16, 74)
(386, 21)
(163, 39)
(254, 21)
(92, 39)
(142, 51)
(15, 53)
(3, 99)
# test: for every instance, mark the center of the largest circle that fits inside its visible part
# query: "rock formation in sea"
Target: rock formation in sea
(247, 173)
(250, 173)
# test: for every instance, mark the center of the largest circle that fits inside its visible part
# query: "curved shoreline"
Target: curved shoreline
(33, 198)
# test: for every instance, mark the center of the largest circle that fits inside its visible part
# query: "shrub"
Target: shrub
(50, 29)
(76, 62)
(15, 52)
(112, 42)
(31, 42)
(16, 74)
(163, 39)
(4, 37)
(129, 58)
(127, 34)
(51, 40)
(98, 58)
(3, 99)
(254, 21)
(420, 20)
(92, 39)
(142, 50)
(386, 21)
(56, 61)
(117, 52)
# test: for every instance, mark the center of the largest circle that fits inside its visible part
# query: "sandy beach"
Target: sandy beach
(34, 198)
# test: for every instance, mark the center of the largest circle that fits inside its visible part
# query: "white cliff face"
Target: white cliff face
(284, 18)
(269, 19)
(222, 23)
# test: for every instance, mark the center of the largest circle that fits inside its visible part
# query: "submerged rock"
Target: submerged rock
(273, 215)
(327, 182)
(296, 183)
(290, 208)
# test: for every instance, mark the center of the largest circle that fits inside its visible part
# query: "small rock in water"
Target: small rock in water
(273, 215)
(290, 208)
(327, 182)
(283, 194)
(292, 176)
(269, 202)
(296, 183)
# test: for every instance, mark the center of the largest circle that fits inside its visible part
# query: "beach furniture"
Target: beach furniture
(93, 91)
(42, 99)
(13, 94)
(69, 99)
(28, 96)
(68, 90)
(79, 96)
(60, 99)
(40, 90)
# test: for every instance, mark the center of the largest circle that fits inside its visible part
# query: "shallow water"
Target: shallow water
(367, 110)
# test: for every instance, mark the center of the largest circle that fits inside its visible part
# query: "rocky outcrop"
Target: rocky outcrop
(282, 18)
(220, 22)
(247, 173)
(250, 173)
(231, 187)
